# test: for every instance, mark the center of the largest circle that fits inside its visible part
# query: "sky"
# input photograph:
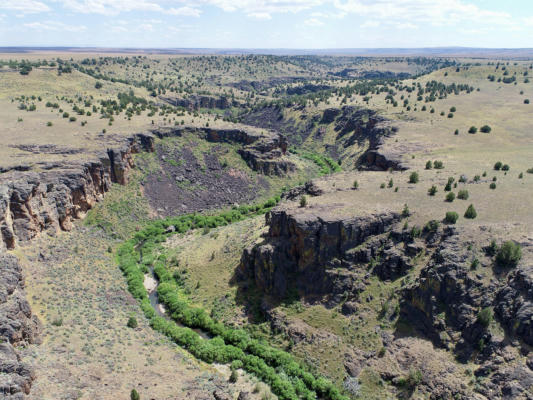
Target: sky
(296, 24)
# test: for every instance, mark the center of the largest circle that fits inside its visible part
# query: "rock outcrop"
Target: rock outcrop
(195, 102)
(263, 152)
(310, 252)
(49, 200)
(514, 303)
(446, 300)
(18, 327)
(354, 126)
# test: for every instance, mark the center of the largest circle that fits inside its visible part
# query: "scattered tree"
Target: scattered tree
(470, 212)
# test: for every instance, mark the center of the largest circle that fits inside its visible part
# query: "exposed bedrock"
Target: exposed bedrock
(32, 202)
(18, 327)
(310, 252)
(263, 152)
(195, 102)
(354, 126)
(514, 303)
(446, 299)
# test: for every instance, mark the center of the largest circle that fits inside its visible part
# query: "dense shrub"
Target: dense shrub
(432, 190)
(472, 130)
(509, 254)
(485, 316)
(451, 217)
(303, 201)
(134, 395)
(505, 167)
(429, 164)
(132, 323)
(438, 164)
(450, 197)
(492, 185)
(463, 194)
(498, 165)
(413, 178)
(485, 129)
(431, 226)
(470, 212)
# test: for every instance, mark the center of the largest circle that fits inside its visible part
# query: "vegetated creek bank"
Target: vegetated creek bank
(151, 283)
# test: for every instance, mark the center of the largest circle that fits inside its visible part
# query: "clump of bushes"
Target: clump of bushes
(431, 226)
(450, 197)
(413, 178)
(472, 130)
(498, 165)
(448, 186)
(451, 217)
(463, 194)
(509, 254)
(485, 129)
(132, 323)
(432, 190)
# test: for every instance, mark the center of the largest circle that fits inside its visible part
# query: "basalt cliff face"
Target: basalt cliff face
(263, 152)
(354, 127)
(18, 327)
(313, 253)
(330, 259)
(32, 202)
(49, 200)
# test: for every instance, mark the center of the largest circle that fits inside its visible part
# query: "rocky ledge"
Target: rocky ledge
(311, 252)
(50, 199)
(264, 151)
(18, 327)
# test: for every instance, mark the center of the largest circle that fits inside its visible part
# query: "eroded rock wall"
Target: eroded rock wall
(35, 201)
(304, 251)
(263, 152)
(18, 327)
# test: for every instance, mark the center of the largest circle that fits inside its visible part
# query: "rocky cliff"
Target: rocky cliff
(310, 252)
(263, 152)
(51, 198)
(18, 327)
(446, 299)
(195, 102)
(355, 127)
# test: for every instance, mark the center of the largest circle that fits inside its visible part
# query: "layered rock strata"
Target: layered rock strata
(18, 327)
